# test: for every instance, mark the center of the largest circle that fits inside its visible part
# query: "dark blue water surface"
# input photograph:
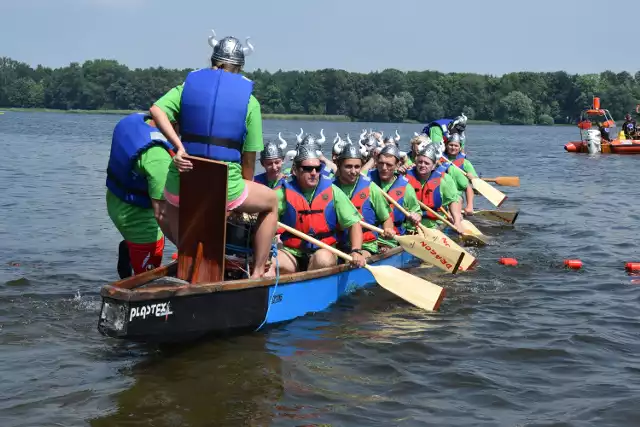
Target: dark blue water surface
(532, 345)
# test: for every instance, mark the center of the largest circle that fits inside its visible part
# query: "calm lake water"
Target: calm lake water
(532, 345)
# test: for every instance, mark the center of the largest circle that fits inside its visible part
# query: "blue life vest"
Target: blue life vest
(262, 179)
(213, 114)
(397, 192)
(131, 137)
(441, 123)
(326, 170)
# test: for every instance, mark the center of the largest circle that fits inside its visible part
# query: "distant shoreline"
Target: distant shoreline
(265, 116)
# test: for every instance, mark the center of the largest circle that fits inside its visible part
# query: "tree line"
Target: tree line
(387, 96)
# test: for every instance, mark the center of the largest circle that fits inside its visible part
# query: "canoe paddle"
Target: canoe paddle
(466, 224)
(415, 290)
(504, 216)
(469, 237)
(505, 181)
(438, 236)
(445, 258)
(496, 197)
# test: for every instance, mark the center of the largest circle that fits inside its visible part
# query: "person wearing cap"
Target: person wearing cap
(433, 187)
(462, 176)
(365, 195)
(398, 187)
(220, 119)
(271, 159)
(311, 203)
(136, 173)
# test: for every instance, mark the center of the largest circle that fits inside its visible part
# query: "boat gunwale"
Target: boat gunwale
(143, 293)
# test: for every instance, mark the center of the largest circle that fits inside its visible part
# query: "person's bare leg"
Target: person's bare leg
(287, 264)
(263, 201)
(322, 258)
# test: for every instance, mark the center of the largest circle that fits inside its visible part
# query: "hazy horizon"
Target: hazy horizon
(493, 37)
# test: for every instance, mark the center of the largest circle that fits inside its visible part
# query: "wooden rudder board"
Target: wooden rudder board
(203, 220)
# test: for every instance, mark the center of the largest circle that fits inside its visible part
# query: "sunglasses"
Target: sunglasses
(311, 168)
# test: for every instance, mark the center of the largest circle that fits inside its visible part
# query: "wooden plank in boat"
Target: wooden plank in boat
(202, 225)
(147, 276)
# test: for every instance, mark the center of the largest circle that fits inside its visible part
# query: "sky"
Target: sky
(479, 36)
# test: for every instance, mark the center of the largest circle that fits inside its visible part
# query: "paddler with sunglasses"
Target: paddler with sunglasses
(398, 187)
(365, 195)
(434, 187)
(311, 203)
(271, 159)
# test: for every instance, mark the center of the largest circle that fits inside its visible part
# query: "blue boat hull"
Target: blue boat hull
(169, 312)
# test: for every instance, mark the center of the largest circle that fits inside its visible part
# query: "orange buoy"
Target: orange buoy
(632, 266)
(175, 255)
(508, 261)
(575, 264)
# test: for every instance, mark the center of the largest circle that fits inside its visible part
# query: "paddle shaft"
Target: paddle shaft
(316, 242)
(495, 196)
(440, 217)
(507, 181)
(397, 205)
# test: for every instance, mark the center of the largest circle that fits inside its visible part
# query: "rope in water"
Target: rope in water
(274, 254)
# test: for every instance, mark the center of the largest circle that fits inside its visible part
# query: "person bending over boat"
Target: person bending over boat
(136, 174)
(221, 120)
(398, 187)
(433, 187)
(311, 203)
(271, 159)
(365, 195)
(462, 179)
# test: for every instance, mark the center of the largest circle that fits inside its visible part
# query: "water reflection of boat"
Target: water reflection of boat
(234, 383)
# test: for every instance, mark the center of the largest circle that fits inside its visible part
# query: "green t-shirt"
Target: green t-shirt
(459, 178)
(409, 203)
(136, 224)
(435, 133)
(346, 213)
(449, 194)
(253, 142)
(380, 207)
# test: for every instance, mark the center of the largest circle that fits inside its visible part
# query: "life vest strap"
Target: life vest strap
(310, 212)
(213, 140)
(112, 176)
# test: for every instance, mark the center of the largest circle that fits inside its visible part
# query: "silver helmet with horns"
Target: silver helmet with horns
(229, 50)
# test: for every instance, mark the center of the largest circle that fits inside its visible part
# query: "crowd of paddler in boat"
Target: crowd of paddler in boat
(214, 115)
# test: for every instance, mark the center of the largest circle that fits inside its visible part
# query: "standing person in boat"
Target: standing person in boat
(221, 120)
(136, 173)
(398, 187)
(365, 195)
(629, 127)
(271, 159)
(311, 203)
(433, 187)
(462, 177)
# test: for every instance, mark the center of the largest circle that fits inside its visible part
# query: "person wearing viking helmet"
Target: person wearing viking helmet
(221, 120)
(271, 159)
(434, 187)
(365, 195)
(398, 187)
(311, 203)
(462, 176)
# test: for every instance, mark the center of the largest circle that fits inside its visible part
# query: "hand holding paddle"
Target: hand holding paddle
(437, 236)
(415, 290)
(445, 258)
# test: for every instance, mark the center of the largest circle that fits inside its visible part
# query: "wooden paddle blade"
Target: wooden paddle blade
(415, 290)
(496, 197)
(505, 181)
(203, 221)
(471, 229)
(468, 262)
(445, 258)
(502, 216)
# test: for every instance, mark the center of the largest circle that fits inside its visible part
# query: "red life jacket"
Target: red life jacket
(397, 191)
(429, 193)
(459, 160)
(317, 219)
(362, 201)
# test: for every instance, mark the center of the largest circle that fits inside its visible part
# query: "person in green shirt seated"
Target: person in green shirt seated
(311, 204)
(434, 187)
(136, 173)
(220, 119)
(398, 187)
(462, 178)
(365, 195)
(271, 159)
